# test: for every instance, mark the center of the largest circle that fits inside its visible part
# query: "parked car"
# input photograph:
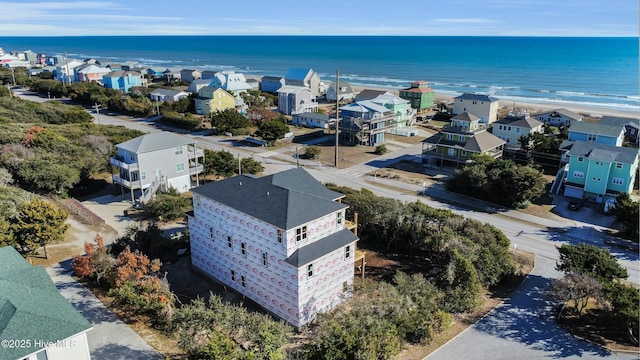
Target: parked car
(576, 204)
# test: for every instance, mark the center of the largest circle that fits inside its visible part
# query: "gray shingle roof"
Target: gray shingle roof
(603, 152)
(166, 92)
(465, 116)
(153, 142)
(622, 121)
(286, 199)
(483, 141)
(368, 94)
(478, 97)
(311, 115)
(31, 307)
(520, 121)
(317, 249)
(596, 128)
(567, 113)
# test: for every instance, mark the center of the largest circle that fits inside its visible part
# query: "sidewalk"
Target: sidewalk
(110, 338)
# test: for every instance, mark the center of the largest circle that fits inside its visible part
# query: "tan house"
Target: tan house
(483, 106)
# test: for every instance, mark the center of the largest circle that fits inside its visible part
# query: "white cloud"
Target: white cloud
(466, 21)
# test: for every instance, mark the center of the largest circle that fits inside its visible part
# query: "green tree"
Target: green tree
(272, 130)
(169, 205)
(625, 304)
(590, 260)
(626, 211)
(38, 224)
(380, 149)
(250, 166)
(462, 287)
(220, 163)
(312, 151)
(229, 120)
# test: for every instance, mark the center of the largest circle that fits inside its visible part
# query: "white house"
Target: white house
(312, 120)
(65, 72)
(153, 161)
(229, 80)
(36, 322)
(512, 127)
(279, 240)
(304, 77)
(558, 117)
(91, 72)
(168, 95)
(189, 75)
(483, 106)
(295, 100)
(346, 92)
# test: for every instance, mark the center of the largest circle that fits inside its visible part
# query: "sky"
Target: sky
(324, 17)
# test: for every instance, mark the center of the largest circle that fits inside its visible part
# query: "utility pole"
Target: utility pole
(239, 165)
(337, 114)
(97, 107)
(66, 59)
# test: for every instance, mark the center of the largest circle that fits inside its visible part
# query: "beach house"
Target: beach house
(598, 171)
(459, 141)
(168, 95)
(368, 94)
(365, 123)
(483, 106)
(36, 322)
(122, 80)
(513, 127)
(212, 100)
(230, 81)
(91, 73)
(189, 75)
(404, 114)
(65, 72)
(305, 77)
(558, 117)
(597, 133)
(345, 93)
(271, 84)
(281, 240)
(631, 126)
(312, 120)
(156, 161)
(295, 100)
(419, 95)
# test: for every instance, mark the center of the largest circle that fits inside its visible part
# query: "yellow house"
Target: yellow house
(211, 100)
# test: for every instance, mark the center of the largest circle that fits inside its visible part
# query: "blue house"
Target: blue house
(122, 80)
(364, 123)
(597, 133)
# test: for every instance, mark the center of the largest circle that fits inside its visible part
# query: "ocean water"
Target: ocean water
(600, 72)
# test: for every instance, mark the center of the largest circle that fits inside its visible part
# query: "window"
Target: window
(618, 165)
(599, 163)
(279, 235)
(243, 281)
(243, 248)
(449, 136)
(265, 259)
(180, 167)
(517, 130)
(578, 174)
(580, 159)
(310, 270)
(463, 153)
(347, 252)
(592, 137)
(339, 218)
(301, 233)
(229, 241)
(617, 181)
(499, 127)
(198, 200)
(143, 175)
(211, 232)
(178, 150)
(233, 275)
(451, 152)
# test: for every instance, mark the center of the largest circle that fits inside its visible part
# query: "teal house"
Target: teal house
(598, 171)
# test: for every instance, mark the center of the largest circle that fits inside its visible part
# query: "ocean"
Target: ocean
(601, 72)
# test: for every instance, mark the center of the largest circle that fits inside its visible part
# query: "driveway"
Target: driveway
(523, 328)
(111, 209)
(110, 338)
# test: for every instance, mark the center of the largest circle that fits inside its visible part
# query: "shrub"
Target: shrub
(312, 152)
(380, 149)
(183, 121)
(169, 205)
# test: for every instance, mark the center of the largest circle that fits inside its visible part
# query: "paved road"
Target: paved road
(110, 338)
(523, 327)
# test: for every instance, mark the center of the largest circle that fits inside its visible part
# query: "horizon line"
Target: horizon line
(321, 35)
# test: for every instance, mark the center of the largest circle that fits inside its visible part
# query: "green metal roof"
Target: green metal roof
(31, 307)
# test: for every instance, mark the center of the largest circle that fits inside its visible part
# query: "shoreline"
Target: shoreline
(532, 106)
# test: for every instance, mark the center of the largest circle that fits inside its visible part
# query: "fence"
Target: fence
(74, 207)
